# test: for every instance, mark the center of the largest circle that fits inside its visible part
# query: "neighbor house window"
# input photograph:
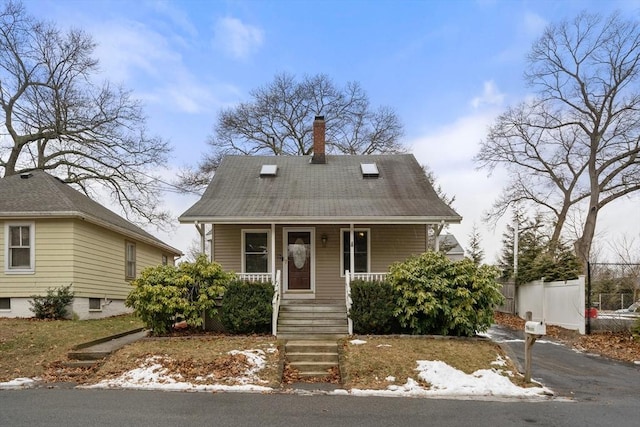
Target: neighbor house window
(5, 303)
(165, 260)
(255, 251)
(95, 304)
(19, 247)
(130, 260)
(361, 249)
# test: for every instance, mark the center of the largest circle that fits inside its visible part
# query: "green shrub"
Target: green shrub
(164, 293)
(246, 307)
(372, 308)
(53, 305)
(437, 296)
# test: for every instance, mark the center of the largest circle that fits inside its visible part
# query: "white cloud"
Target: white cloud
(490, 96)
(533, 24)
(134, 53)
(236, 38)
(449, 151)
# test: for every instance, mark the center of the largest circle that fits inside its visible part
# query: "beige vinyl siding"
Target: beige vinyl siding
(392, 243)
(389, 243)
(53, 259)
(329, 284)
(228, 245)
(99, 268)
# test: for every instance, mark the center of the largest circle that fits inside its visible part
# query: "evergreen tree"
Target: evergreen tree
(476, 253)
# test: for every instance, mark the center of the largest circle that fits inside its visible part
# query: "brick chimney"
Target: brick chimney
(318, 141)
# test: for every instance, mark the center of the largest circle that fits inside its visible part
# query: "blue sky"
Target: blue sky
(446, 67)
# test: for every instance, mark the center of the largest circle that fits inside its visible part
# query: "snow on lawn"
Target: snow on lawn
(151, 375)
(444, 380)
(447, 381)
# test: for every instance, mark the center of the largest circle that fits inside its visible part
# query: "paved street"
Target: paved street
(591, 391)
(157, 409)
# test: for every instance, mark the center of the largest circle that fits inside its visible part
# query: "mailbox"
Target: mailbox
(535, 328)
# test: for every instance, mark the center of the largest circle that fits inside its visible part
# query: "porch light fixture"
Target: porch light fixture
(324, 239)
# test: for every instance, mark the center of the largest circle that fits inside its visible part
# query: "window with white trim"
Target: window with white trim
(130, 261)
(19, 251)
(255, 251)
(361, 249)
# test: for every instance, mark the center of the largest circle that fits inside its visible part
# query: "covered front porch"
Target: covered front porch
(310, 265)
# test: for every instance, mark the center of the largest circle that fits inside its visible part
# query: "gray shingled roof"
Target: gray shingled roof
(42, 195)
(331, 192)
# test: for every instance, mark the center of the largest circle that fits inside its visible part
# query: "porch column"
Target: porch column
(202, 231)
(352, 256)
(273, 253)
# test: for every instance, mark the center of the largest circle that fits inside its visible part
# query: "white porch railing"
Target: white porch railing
(348, 278)
(369, 277)
(276, 304)
(255, 277)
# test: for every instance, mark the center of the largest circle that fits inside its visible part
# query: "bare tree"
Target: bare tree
(278, 121)
(576, 145)
(56, 118)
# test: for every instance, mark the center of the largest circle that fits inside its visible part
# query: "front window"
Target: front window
(19, 248)
(255, 251)
(360, 250)
(130, 260)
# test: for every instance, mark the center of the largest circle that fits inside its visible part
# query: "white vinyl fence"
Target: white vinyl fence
(555, 303)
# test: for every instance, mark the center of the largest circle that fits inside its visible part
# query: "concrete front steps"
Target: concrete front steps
(311, 329)
(312, 320)
(312, 358)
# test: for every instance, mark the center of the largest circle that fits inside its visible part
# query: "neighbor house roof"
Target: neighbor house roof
(338, 191)
(452, 245)
(37, 194)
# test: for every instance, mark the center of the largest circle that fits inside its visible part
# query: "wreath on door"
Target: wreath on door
(299, 253)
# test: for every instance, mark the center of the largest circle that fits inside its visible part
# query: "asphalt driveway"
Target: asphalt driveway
(572, 374)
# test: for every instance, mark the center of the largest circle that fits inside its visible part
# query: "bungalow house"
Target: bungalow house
(311, 224)
(52, 236)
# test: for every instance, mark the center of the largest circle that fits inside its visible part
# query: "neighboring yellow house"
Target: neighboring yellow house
(52, 235)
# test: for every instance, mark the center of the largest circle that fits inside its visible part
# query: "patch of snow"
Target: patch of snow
(357, 342)
(637, 362)
(499, 361)
(151, 375)
(18, 383)
(383, 345)
(390, 378)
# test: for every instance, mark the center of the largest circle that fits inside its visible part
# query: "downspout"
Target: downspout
(213, 241)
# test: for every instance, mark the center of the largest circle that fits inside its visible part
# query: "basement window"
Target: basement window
(369, 170)
(95, 304)
(268, 170)
(5, 303)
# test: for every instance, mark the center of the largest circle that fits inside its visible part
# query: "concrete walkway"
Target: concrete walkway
(91, 352)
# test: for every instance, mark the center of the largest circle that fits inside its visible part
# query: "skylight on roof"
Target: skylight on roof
(268, 170)
(369, 170)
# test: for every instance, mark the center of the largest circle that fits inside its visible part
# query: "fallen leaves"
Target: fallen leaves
(615, 345)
